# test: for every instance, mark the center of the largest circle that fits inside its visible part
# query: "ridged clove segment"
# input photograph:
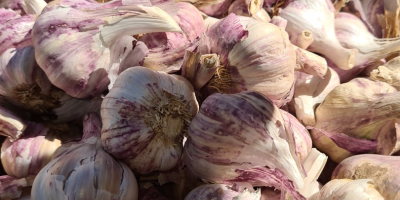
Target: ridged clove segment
(145, 116)
(63, 36)
(11, 125)
(223, 139)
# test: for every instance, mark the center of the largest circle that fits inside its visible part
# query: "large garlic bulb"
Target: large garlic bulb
(145, 116)
(85, 171)
(242, 138)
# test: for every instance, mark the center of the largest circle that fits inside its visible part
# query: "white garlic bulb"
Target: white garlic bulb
(145, 116)
(85, 171)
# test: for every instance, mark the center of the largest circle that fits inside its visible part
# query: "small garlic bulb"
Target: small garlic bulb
(145, 116)
(85, 171)
(30, 153)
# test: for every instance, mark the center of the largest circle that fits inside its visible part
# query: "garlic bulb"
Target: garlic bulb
(85, 171)
(223, 192)
(11, 125)
(145, 116)
(352, 33)
(89, 32)
(318, 18)
(382, 170)
(15, 30)
(350, 118)
(302, 138)
(11, 187)
(30, 153)
(388, 73)
(33, 6)
(167, 49)
(309, 92)
(242, 138)
(345, 189)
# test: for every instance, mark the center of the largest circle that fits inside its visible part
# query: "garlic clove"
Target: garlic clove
(14, 5)
(15, 30)
(279, 21)
(347, 190)
(381, 169)
(310, 63)
(30, 153)
(339, 137)
(145, 127)
(318, 18)
(33, 7)
(223, 192)
(11, 187)
(85, 171)
(388, 138)
(87, 77)
(313, 165)
(11, 125)
(226, 146)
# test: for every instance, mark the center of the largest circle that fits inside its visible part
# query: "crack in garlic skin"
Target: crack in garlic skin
(227, 80)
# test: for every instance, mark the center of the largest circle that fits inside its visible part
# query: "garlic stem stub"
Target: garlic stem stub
(242, 138)
(85, 171)
(72, 46)
(145, 116)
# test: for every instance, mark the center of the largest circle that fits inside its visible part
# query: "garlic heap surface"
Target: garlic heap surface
(350, 119)
(72, 46)
(85, 171)
(223, 192)
(145, 116)
(30, 153)
(242, 138)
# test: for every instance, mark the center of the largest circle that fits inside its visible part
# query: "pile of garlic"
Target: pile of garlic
(187, 100)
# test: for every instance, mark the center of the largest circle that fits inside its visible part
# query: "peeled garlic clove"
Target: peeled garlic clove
(241, 138)
(11, 125)
(166, 50)
(302, 138)
(11, 187)
(369, 105)
(309, 92)
(347, 190)
(15, 30)
(246, 62)
(85, 171)
(381, 169)
(318, 18)
(98, 29)
(388, 73)
(222, 192)
(352, 33)
(145, 116)
(30, 153)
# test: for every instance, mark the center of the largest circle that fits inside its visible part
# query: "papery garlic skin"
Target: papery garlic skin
(222, 192)
(241, 138)
(11, 187)
(63, 36)
(30, 153)
(318, 18)
(346, 189)
(145, 116)
(388, 73)
(85, 171)
(382, 170)
(11, 125)
(349, 119)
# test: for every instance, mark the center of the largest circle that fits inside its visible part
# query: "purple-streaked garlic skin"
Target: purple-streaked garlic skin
(372, 9)
(383, 170)
(145, 116)
(301, 136)
(369, 105)
(11, 187)
(166, 49)
(85, 171)
(253, 55)
(223, 139)
(239, 7)
(221, 192)
(72, 46)
(11, 125)
(15, 5)
(318, 18)
(30, 153)
(15, 31)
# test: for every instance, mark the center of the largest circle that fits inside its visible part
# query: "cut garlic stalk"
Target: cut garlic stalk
(85, 171)
(89, 32)
(145, 116)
